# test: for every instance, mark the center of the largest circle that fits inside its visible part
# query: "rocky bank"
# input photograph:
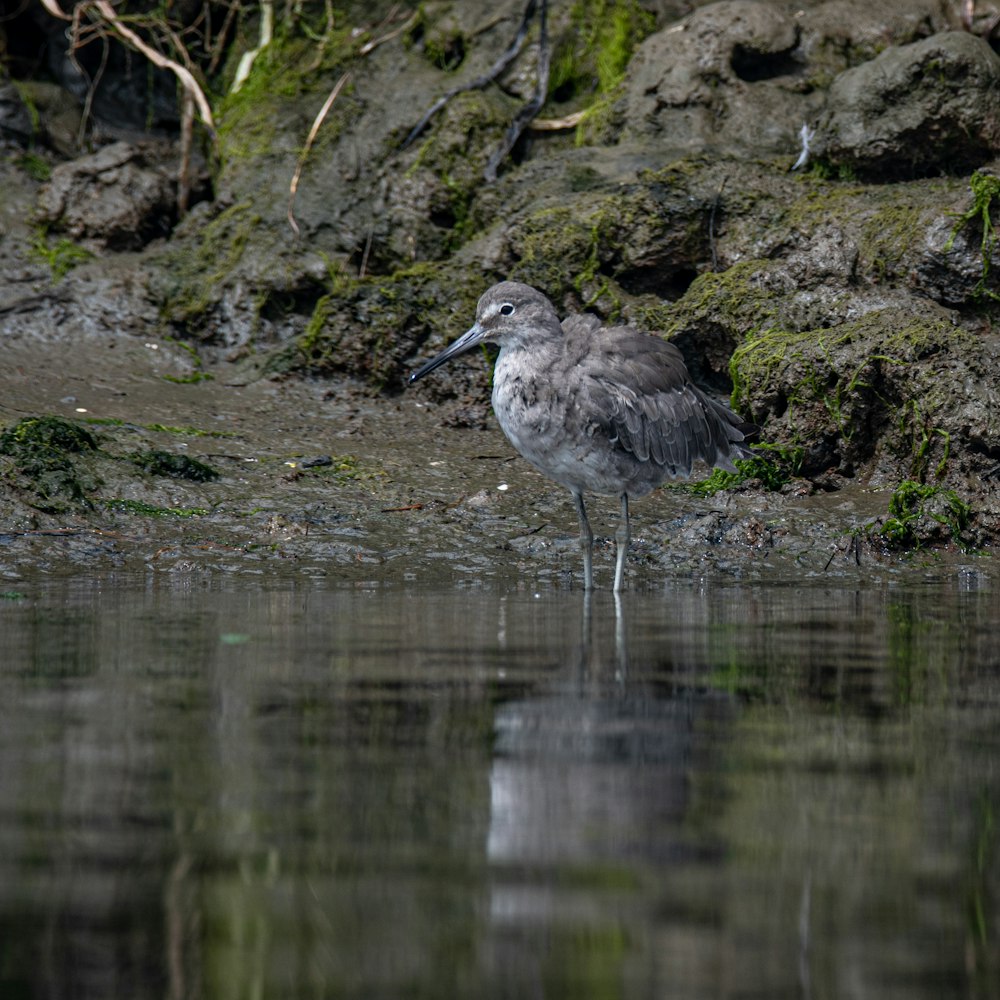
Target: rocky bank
(800, 195)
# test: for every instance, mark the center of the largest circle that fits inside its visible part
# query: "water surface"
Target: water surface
(229, 790)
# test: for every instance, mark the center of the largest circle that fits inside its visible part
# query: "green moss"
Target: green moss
(159, 428)
(736, 300)
(455, 150)
(985, 191)
(444, 45)
(559, 249)
(165, 463)
(583, 243)
(290, 71)
(197, 277)
(802, 369)
(888, 235)
(591, 58)
(149, 510)
(61, 255)
(43, 459)
(34, 166)
(356, 326)
(846, 394)
(308, 342)
(823, 170)
(773, 466)
(920, 514)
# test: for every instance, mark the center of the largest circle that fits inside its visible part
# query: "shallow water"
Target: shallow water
(703, 791)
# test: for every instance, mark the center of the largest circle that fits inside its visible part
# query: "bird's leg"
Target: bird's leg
(622, 538)
(586, 542)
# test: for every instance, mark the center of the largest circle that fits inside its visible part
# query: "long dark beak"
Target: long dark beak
(474, 335)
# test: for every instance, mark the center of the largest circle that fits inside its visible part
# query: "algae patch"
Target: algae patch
(985, 193)
(61, 255)
(44, 458)
(835, 391)
(773, 466)
(151, 510)
(164, 463)
(920, 515)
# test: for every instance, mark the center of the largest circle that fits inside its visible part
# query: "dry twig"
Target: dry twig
(317, 122)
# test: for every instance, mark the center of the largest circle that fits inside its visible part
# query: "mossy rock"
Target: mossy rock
(592, 52)
(164, 463)
(641, 238)
(47, 437)
(195, 272)
(373, 328)
(44, 453)
(922, 516)
(849, 393)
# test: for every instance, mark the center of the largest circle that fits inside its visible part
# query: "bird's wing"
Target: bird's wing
(580, 325)
(647, 405)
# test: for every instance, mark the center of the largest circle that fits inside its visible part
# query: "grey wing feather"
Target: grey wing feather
(580, 324)
(656, 413)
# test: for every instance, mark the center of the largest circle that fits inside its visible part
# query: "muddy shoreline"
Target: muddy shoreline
(851, 305)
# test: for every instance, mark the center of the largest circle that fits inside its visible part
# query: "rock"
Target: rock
(118, 198)
(916, 110)
(33, 110)
(712, 80)
(840, 34)
(15, 119)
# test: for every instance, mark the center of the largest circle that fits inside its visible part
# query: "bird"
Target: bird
(606, 410)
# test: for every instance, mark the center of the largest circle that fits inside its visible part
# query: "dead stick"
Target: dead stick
(294, 186)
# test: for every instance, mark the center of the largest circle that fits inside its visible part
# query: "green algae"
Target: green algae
(985, 192)
(43, 455)
(159, 428)
(850, 382)
(46, 436)
(144, 509)
(164, 463)
(196, 277)
(773, 467)
(60, 255)
(919, 515)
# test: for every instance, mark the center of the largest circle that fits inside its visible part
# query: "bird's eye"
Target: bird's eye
(506, 309)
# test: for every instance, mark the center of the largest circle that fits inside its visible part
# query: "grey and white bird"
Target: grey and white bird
(607, 410)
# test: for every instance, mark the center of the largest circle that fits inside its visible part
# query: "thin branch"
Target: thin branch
(480, 81)
(317, 122)
(55, 10)
(264, 39)
(374, 43)
(183, 74)
(528, 112)
(557, 124)
(222, 34)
